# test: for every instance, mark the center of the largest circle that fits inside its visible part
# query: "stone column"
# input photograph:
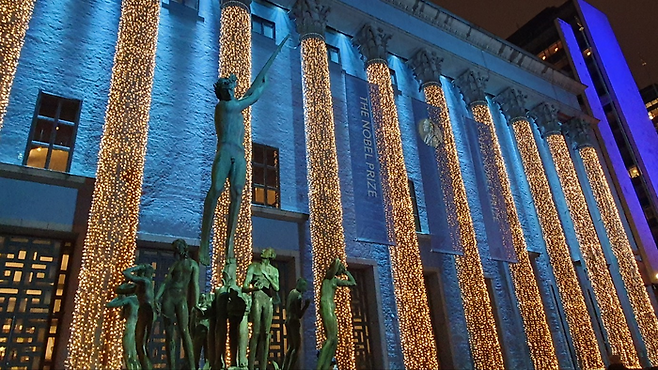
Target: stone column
(13, 33)
(325, 205)
(109, 246)
(612, 314)
(475, 298)
(540, 343)
(417, 339)
(235, 58)
(579, 134)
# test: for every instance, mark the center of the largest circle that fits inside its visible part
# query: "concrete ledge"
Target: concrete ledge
(43, 176)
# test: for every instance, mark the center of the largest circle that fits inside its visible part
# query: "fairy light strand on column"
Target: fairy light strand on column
(14, 20)
(109, 246)
(573, 301)
(535, 325)
(482, 335)
(235, 57)
(416, 334)
(612, 314)
(325, 206)
(637, 294)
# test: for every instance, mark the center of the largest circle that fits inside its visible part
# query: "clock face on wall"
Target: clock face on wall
(430, 132)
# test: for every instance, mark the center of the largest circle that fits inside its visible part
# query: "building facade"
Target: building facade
(457, 175)
(577, 39)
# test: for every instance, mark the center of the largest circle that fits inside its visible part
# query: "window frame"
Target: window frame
(50, 145)
(262, 22)
(266, 168)
(335, 51)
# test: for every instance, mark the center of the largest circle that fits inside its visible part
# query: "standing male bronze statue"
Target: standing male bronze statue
(330, 283)
(175, 298)
(230, 160)
(296, 306)
(142, 277)
(263, 281)
(129, 304)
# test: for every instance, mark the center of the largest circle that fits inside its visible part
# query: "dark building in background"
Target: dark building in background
(577, 39)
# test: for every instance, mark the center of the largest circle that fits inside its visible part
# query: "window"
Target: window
(262, 27)
(394, 78)
(333, 54)
(32, 295)
(414, 204)
(53, 131)
(265, 172)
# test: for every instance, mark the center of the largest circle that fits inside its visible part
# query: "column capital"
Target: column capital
(512, 104)
(310, 17)
(426, 66)
(372, 44)
(244, 4)
(578, 133)
(545, 116)
(472, 85)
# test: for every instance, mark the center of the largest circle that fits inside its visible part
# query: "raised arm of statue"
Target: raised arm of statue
(129, 273)
(350, 282)
(258, 86)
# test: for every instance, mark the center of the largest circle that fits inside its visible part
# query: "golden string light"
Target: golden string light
(612, 313)
(14, 20)
(637, 294)
(326, 210)
(235, 58)
(417, 339)
(529, 300)
(573, 301)
(482, 335)
(109, 246)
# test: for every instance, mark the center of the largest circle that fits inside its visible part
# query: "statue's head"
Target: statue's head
(268, 253)
(126, 288)
(302, 284)
(180, 247)
(146, 269)
(336, 268)
(225, 87)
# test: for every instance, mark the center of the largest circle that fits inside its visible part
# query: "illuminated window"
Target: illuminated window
(53, 131)
(362, 313)
(414, 202)
(334, 54)
(633, 172)
(262, 27)
(32, 295)
(265, 172)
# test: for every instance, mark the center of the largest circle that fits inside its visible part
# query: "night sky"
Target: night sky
(635, 23)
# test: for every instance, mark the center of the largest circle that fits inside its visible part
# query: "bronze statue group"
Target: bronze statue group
(206, 323)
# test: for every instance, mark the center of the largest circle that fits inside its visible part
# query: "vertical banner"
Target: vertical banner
(437, 186)
(494, 209)
(368, 201)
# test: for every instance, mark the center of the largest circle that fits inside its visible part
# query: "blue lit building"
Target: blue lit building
(494, 224)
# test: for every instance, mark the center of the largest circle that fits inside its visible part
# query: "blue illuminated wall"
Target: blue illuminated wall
(69, 50)
(624, 92)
